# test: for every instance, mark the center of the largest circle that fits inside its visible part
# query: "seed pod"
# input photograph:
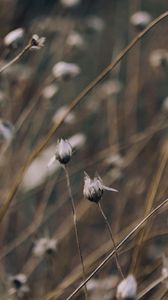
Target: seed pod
(65, 71)
(127, 289)
(63, 151)
(93, 188)
(14, 37)
(37, 42)
(140, 20)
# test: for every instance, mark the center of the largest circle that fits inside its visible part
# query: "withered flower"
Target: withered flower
(94, 188)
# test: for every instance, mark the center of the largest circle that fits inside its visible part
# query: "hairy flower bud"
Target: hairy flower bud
(140, 20)
(127, 289)
(37, 42)
(93, 188)
(63, 151)
(64, 70)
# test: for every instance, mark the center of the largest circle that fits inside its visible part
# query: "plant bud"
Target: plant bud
(93, 188)
(37, 42)
(140, 20)
(127, 289)
(63, 151)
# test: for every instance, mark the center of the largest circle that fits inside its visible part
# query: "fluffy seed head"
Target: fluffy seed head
(93, 188)
(44, 246)
(14, 37)
(158, 58)
(64, 70)
(63, 151)
(127, 289)
(37, 42)
(140, 20)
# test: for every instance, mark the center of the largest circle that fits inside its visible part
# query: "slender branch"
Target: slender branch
(113, 241)
(27, 47)
(106, 260)
(76, 228)
(74, 103)
(151, 286)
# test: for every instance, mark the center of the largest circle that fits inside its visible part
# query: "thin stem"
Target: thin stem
(113, 241)
(18, 56)
(110, 255)
(76, 229)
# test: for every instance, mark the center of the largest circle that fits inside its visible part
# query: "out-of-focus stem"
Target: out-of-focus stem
(113, 241)
(28, 46)
(76, 229)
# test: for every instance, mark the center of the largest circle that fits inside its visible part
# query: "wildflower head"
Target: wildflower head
(37, 42)
(19, 285)
(63, 151)
(44, 246)
(140, 20)
(159, 58)
(65, 71)
(127, 289)
(14, 37)
(94, 188)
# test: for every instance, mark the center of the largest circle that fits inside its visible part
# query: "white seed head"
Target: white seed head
(60, 114)
(14, 36)
(140, 19)
(75, 40)
(70, 3)
(93, 188)
(158, 58)
(64, 70)
(63, 151)
(127, 289)
(44, 246)
(95, 23)
(111, 87)
(50, 90)
(37, 42)
(19, 282)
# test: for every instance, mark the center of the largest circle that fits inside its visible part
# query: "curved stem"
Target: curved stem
(113, 241)
(110, 255)
(151, 286)
(76, 228)
(28, 46)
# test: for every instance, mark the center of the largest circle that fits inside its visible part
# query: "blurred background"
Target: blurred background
(119, 131)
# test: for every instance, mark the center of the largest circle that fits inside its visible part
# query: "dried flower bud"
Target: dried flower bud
(18, 280)
(140, 20)
(60, 114)
(127, 289)
(14, 37)
(37, 42)
(63, 151)
(158, 58)
(49, 91)
(93, 188)
(63, 70)
(44, 246)
(19, 285)
(75, 40)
